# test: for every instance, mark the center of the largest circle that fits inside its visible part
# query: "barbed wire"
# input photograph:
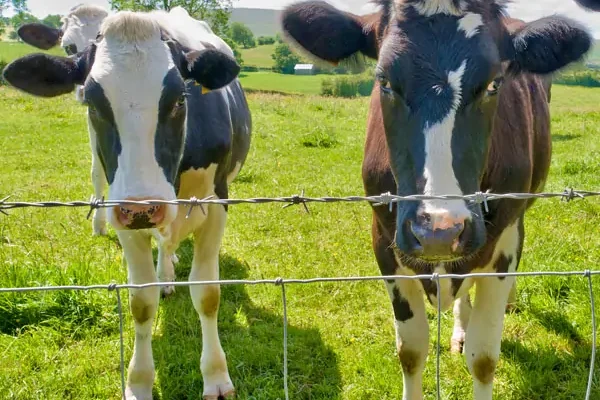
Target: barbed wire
(568, 194)
(281, 282)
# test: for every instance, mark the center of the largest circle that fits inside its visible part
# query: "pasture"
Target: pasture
(259, 56)
(64, 345)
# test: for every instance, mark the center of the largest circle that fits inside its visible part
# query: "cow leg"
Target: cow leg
(99, 183)
(137, 247)
(462, 313)
(166, 270)
(412, 335)
(205, 267)
(484, 333)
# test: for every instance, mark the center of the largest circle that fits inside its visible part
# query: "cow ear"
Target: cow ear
(40, 35)
(45, 75)
(547, 45)
(210, 68)
(328, 33)
(593, 5)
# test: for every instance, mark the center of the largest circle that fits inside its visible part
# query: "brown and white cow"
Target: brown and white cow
(171, 121)
(459, 107)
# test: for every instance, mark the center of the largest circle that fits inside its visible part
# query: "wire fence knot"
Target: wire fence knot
(298, 199)
(587, 273)
(112, 287)
(482, 198)
(2, 205)
(195, 202)
(279, 281)
(386, 199)
(569, 195)
(94, 205)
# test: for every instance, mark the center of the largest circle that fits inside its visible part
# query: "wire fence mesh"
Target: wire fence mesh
(383, 199)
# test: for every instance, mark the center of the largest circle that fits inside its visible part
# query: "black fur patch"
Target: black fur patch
(402, 310)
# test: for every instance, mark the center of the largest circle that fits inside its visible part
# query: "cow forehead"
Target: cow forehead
(132, 74)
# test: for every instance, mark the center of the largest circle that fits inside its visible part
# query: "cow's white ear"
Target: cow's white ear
(210, 68)
(45, 75)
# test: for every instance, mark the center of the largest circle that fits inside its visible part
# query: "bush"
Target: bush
(587, 78)
(264, 40)
(348, 86)
(3, 64)
(285, 59)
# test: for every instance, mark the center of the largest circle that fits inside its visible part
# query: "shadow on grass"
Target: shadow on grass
(252, 337)
(545, 370)
(564, 138)
(555, 322)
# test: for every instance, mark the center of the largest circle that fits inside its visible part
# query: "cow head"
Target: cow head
(441, 67)
(80, 28)
(134, 84)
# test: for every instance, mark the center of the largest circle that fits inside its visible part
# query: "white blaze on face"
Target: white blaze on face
(131, 71)
(438, 171)
(470, 24)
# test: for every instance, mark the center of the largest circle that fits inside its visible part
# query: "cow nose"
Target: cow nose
(70, 49)
(140, 216)
(438, 236)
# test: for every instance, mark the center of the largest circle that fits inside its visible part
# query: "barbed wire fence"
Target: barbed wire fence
(385, 199)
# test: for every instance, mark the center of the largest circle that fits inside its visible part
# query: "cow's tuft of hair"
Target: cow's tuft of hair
(87, 11)
(129, 26)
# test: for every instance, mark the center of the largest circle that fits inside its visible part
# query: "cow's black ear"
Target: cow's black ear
(547, 45)
(589, 4)
(328, 33)
(45, 75)
(210, 68)
(40, 35)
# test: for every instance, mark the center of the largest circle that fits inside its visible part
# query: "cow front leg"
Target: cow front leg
(412, 335)
(484, 334)
(205, 267)
(166, 270)
(143, 303)
(99, 183)
(462, 314)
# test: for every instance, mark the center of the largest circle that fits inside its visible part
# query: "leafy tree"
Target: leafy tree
(285, 59)
(242, 35)
(16, 5)
(13, 35)
(263, 40)
(215, 12)
(236, 51)
(53, 20)
(22, 18)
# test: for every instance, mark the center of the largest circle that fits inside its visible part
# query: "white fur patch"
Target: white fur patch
(81, 26)
(433, 7)
(470, 24)
(439, 172)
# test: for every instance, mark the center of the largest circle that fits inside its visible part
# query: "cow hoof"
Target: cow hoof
(456, 346)
(135, 393)
(219, 392)
(167, 291)
(227, 396)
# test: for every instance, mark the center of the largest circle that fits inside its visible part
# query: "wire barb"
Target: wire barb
(482, 198)
(94, 205)
(386, 199)
(296, 200)
(569, 195)
(2, 201)
(193, 202)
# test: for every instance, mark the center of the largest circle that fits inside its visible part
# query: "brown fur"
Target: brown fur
(409, 360)
(484, 369)
(140, 311)
(210, 300)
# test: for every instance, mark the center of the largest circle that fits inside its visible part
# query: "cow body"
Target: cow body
(460, 106)
(170, 121)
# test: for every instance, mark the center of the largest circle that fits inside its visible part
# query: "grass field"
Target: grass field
(11, 50)
(259, 56)
(271, 81)
(64, 345)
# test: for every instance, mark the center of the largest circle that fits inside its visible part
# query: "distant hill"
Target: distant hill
(262, 22)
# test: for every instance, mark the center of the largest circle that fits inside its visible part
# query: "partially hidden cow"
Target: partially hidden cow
(171, 121)
(80, 27)
(460, 106)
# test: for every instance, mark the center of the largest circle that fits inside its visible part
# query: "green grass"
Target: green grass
(64, 345)
(11, 50)
(271, 81)
(259, 56)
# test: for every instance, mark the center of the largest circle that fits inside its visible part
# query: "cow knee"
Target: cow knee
(410, 359)
(209, 300)
(141, 309)
(484, 368)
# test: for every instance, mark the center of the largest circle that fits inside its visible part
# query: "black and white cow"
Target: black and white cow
(460, 106)
(160, 135)
(80, 27)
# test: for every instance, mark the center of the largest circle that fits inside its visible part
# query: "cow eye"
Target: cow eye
(181, 101)
(494, 87)
(384, 84)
